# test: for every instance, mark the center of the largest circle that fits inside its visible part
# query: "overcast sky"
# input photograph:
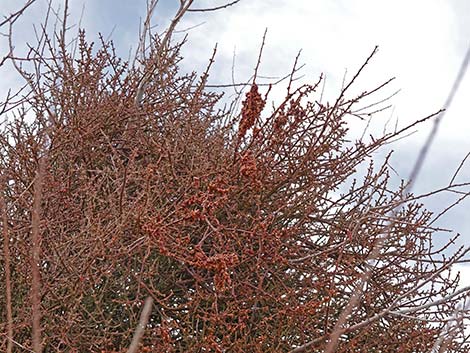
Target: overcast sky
(422, 43)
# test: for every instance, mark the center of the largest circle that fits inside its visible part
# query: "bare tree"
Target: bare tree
(138, 215)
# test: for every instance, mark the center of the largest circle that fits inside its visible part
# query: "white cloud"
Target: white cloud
(464, 271)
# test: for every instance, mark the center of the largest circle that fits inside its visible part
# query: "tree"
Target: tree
(249, 230)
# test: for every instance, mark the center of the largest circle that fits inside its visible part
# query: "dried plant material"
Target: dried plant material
(251, 110)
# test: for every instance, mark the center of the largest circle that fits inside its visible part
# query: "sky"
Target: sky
(422, 43)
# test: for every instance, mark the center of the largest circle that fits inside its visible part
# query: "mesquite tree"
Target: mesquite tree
(250, 230)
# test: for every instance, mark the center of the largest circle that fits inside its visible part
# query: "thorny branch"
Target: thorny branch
(233, 228)
(209, 9)
(12, 18)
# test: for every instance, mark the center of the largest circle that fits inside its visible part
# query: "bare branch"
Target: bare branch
(255, 75)
(16, 15)
(445, 299)
(140, 329)
(214, 8)
(184, 6)
(462, 162)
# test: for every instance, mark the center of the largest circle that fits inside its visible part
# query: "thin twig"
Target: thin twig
(24, 348)
(458, 169)
(244, 84)
(465, 290)
(259, 56)
(14, 16)
(215, 8)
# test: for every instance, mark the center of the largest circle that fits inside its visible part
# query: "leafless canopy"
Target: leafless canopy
(139, 216)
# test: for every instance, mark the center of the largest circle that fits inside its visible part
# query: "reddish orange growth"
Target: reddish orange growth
(251, 110)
